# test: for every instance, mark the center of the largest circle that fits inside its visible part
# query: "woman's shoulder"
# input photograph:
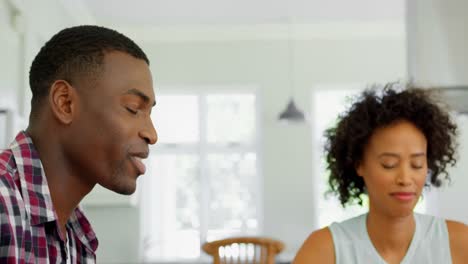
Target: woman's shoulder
(458, 237)
(317, 248)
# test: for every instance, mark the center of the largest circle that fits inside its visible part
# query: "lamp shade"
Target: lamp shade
(292, 113)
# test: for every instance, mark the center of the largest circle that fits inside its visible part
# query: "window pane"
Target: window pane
(233, 194)
(172, 196)
(176, 118)
(230, 118)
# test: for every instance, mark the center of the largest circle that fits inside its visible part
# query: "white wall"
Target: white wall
(437, 41)
(10, 76)
(118, 231)
(24, 27)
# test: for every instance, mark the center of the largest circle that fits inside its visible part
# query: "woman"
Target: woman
(389, 145)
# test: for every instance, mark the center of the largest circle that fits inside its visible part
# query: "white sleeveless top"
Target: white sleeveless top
(430, 243)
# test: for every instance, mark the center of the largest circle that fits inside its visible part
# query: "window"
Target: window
(202, 180)
(328, 103)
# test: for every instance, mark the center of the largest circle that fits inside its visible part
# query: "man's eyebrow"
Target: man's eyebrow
(141, 95)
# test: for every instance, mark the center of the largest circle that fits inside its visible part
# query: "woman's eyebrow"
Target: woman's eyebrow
(388, 154)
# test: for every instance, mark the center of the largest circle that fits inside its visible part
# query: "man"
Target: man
(89, 124)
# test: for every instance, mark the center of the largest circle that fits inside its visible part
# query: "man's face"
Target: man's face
(113, 126)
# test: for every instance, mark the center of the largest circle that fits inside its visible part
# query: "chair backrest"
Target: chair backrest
(258, 250)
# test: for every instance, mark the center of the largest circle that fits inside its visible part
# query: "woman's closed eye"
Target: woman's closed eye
(393, 165)
(389, 165)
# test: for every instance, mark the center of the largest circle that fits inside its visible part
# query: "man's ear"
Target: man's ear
(62, 100)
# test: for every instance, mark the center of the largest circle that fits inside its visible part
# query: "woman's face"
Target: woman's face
(394, 168)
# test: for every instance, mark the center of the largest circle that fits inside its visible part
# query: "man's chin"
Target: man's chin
(126, 189)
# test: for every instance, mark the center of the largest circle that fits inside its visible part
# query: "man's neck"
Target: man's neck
(66, 188)
(391, 236)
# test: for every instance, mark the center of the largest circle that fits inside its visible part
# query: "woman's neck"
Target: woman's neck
(390, 235)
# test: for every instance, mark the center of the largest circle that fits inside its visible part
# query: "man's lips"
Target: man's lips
(142, 154)
(137, 161)
(403, 196)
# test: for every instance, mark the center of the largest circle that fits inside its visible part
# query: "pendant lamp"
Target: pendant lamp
(291, 114)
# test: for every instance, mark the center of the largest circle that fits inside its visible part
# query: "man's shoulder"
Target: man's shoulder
(9, 208)
(6, 161)
(7, 170)
(8, 188)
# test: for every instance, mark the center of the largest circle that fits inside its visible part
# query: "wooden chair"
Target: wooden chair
(257, 250)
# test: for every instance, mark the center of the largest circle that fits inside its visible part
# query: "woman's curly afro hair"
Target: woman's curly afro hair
(346, 141)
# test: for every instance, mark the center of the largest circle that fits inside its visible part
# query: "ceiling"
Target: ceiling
(150, 13)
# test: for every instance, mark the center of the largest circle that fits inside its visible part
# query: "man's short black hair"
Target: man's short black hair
(346, 141)
(74, 53)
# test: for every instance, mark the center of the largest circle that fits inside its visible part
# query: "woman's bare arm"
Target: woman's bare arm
(318, 248)
(458, 234)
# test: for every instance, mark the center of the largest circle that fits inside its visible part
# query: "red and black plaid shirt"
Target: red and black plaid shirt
(28, 222)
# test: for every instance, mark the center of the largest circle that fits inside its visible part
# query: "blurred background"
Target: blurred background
(224, 71)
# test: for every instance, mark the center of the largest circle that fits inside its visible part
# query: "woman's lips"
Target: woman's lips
(403, 196)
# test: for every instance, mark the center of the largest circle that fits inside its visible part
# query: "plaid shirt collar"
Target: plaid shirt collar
(35, 191)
